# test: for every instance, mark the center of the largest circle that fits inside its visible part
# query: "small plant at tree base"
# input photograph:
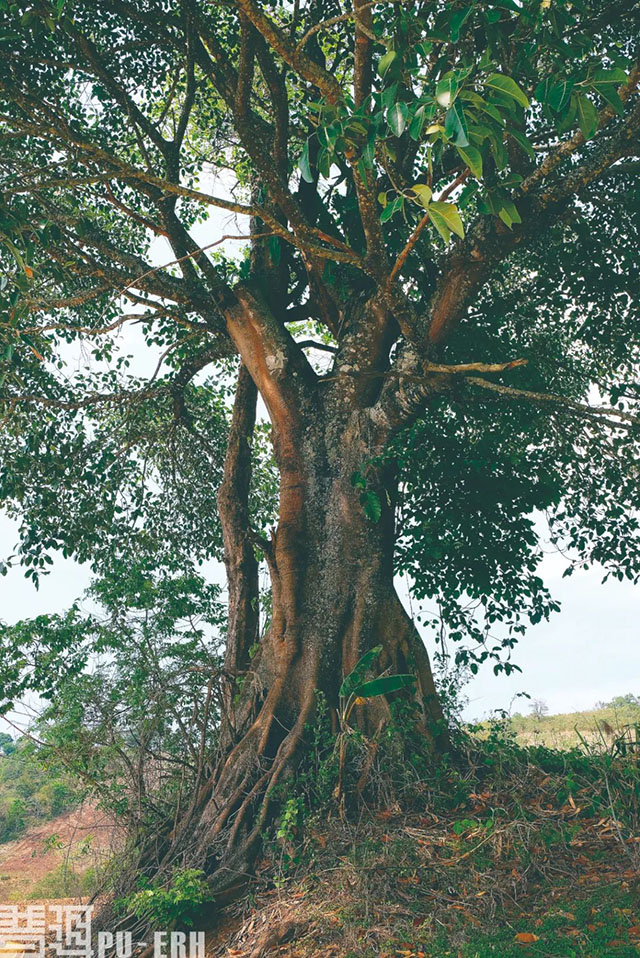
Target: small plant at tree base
(355, 691)
(175, 904)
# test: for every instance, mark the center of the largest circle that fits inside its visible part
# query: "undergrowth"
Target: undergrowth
(501, 850)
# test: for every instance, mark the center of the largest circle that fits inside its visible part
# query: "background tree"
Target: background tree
(437, 193)
(538, 708)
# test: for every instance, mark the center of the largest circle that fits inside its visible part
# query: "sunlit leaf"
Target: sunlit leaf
(397, 117)
(455, 125)
(446, 219)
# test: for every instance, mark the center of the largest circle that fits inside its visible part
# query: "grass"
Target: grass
(508, 851)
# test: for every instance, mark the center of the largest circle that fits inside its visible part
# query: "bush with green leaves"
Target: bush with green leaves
(172, 904)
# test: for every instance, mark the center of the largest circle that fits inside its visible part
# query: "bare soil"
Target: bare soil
(81, 837)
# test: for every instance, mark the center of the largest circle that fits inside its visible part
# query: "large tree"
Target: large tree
(438, 200)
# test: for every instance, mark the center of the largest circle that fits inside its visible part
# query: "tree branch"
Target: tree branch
(560, 402)
(297, 59)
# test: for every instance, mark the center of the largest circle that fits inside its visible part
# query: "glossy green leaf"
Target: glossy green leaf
(522, 141)
(587, 117)
(391, 208)
(385, 62)
(457, 21)
(355, 677)
(384, 685)
(418, 123)
(304, 165)
(508, 213)
(610, 94)
(508, 86)
(446, 90)
(559, 95)
(455, 125)
(397, 118)
(473, 158)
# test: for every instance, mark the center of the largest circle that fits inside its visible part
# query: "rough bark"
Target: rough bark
(233, 507)
(333, 595)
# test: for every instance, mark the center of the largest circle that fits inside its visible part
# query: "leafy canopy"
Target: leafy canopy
(467, 166)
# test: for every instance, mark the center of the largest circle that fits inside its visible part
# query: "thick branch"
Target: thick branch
(296, 58)
(469, 265)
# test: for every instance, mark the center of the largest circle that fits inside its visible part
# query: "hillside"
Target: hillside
(55, 859)
(51, 840)
(598, 727)
(33, 789)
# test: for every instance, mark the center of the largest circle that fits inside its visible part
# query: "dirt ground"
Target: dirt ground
(81, 836)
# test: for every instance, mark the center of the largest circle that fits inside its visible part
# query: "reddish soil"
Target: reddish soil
(83, 837)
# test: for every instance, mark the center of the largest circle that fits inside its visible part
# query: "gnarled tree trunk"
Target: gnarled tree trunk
(333, 595)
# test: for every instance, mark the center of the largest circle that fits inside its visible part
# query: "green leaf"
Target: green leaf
(469, 191)
(390, 209)
(509, 214)
(417, 123)
(543, 90)
(457, 20)
(610, 94)
(304, 165)
(371, 504)
(587, 117)
(354, 678)
(559, 95)
(473, 159)
(384, 685)
(522, 140)
(455, 125)
(446, 90)
(385, 62)
(446, 219)
(423, 193)
(614, 77)
(497, 81)
(397, 117)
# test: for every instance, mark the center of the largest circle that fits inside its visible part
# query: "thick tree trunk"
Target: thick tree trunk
(333, 598)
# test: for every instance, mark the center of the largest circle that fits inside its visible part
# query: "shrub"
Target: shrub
(175, 904)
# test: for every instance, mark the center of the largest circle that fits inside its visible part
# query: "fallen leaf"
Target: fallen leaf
(526, 937)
